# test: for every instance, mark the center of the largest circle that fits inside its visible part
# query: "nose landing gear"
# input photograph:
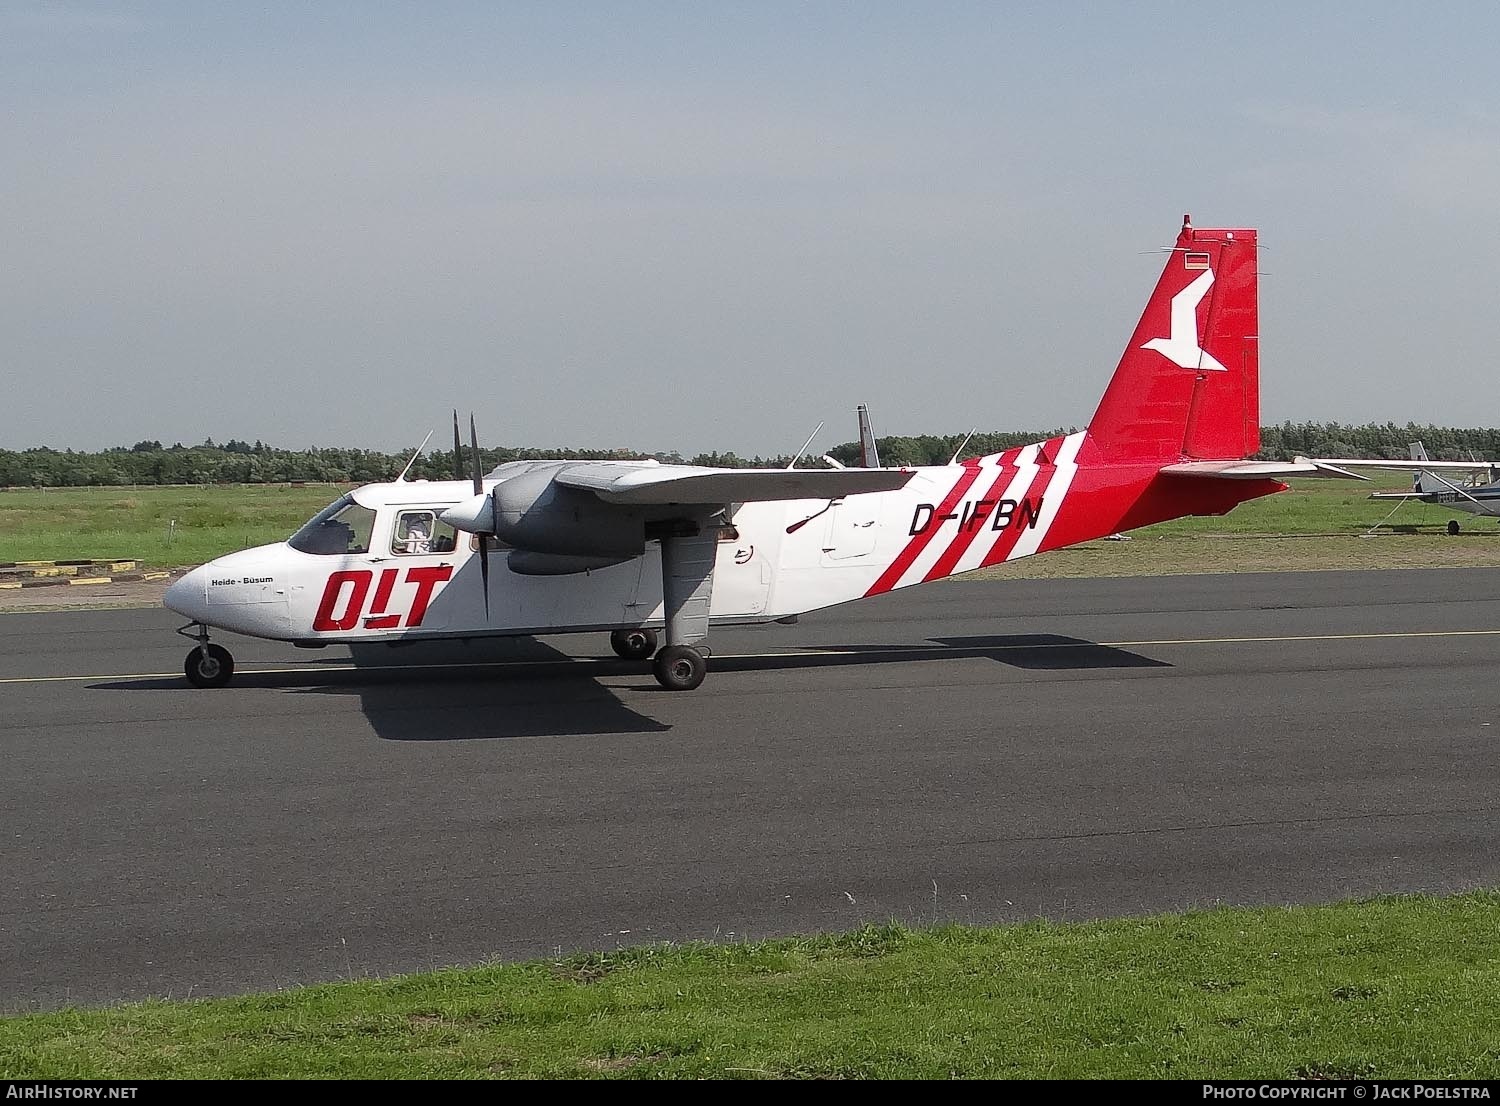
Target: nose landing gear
(207, 665)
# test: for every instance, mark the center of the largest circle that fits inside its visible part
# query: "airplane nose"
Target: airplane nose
(188, 596)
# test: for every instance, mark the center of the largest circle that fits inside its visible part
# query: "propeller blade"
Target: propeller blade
(458, 450)
(484, 541)
(484, 572)
(474, 444)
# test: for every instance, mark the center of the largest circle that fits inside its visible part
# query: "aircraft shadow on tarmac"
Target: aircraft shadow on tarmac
(1038, 652)
(485, 688)
(452, 691)
(521, 687)
(1049, 652)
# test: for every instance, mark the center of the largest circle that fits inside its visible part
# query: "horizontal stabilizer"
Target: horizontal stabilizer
(1258, 470)
(689, 484)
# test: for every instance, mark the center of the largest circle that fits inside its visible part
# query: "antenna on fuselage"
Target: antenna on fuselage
(414, 456)
(805, 444)
(961, 445)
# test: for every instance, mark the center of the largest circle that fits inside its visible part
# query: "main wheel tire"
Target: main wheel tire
(209, 666)
(1453, 526)
(633, 645)
(680, 668)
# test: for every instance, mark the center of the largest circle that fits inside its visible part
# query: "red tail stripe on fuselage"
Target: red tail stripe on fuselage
(897, 568)
(1005, 472)
(1038, 491)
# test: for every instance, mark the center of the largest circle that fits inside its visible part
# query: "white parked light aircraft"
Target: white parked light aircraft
(634, 547)
(1478, 493)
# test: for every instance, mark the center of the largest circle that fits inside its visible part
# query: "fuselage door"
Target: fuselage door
(853, 527)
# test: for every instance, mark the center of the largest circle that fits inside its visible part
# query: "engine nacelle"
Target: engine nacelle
(524, 562)
(532, 513)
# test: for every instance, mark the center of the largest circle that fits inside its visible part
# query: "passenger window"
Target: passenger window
(421, 532)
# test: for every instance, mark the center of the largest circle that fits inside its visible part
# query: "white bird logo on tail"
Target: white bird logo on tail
(1182, 348)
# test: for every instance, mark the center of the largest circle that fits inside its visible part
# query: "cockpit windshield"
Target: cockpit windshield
(341, 527)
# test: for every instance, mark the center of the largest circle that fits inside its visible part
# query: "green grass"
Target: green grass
(1328, 519)
(1312, 507)
(1395, 988)
(74, 523)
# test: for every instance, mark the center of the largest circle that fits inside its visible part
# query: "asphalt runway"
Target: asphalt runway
(978, 752)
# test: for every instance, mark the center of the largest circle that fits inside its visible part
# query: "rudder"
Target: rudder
(1188, 385)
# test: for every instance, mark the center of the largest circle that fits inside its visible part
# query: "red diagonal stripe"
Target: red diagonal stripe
(1043, 481)
(965, 538)
(890, 577)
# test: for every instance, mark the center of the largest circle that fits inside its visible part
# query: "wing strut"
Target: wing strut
(1458, 490)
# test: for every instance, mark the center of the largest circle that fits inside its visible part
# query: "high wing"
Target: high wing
(1430, 485)
(1403, 466)
(1259, 470)
(1419, 464)
(625, 483)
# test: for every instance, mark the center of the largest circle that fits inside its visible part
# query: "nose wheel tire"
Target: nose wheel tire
(209, 666)
(680, 668)
(633, 645)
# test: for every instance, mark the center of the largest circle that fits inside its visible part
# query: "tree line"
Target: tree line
(237, 462)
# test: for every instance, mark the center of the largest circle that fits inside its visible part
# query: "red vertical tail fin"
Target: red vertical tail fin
(1188, 385)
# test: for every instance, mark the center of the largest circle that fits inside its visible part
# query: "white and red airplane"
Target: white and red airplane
(636, 547)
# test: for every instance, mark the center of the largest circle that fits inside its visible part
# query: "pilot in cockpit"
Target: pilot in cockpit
(418, 538)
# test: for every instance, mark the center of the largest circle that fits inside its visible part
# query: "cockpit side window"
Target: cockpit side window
(340, 528)
(418, 531)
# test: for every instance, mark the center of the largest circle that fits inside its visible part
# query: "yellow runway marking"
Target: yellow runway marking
(1304, 637)
(874, 651)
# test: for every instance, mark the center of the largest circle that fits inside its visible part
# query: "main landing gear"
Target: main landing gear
(679, 668)
(633, 645)
(676, 667)
(687, 587)
(687, 562)
(207, 665)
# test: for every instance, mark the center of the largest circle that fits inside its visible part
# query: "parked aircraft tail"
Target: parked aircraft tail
(869, 456)
(1425, 483)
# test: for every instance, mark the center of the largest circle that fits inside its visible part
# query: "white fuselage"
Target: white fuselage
(763, 572)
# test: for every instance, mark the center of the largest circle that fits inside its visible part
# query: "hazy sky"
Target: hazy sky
(709, 225)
